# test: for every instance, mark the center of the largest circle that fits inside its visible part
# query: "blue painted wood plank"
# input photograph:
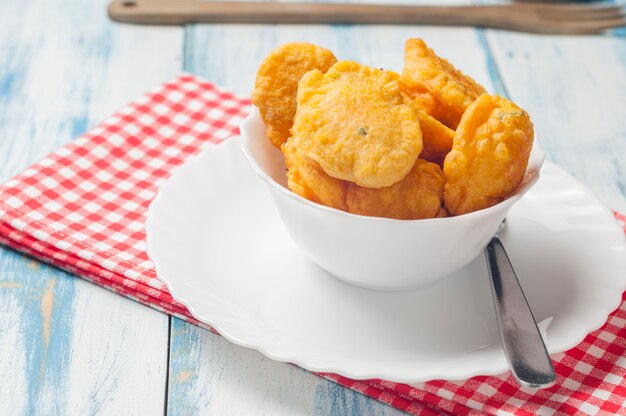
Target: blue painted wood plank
(36, 326)
(67, 346)
(209, 375)
(229, 55)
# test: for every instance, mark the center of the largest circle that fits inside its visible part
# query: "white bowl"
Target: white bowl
(377, 253)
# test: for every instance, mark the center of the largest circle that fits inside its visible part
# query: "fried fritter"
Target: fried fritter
(489, 155)
(277, 84)
(357, 124)
(425, 100)
(419, 195)
(307, 179)
(436, 137)
(424, 70)
(443, 213)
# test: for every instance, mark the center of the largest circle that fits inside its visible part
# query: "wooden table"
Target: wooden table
(69, 347)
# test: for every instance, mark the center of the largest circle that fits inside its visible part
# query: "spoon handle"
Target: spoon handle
(523, 346)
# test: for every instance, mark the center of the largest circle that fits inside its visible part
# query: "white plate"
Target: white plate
(220, 247)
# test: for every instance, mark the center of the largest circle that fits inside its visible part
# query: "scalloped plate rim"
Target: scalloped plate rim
(152, 248)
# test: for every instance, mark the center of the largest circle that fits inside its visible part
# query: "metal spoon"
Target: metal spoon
(523, 346)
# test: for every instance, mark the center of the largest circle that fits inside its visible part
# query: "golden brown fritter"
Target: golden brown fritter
(425, 101)
(489, 155)
(307, 179)
(357, 124)
(424, 70)
(419, 195)
(277, 84)
(436, 137)
(443, 213)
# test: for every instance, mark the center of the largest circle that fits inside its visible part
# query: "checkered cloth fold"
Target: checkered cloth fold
(83, 209)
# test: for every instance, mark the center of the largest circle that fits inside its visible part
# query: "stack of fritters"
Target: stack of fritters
(428, 143)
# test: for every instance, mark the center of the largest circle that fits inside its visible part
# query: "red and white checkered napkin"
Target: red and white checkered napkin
(83, 209)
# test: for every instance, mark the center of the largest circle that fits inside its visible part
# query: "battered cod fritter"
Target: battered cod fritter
(357, 124)
(418, 195)
(277, 84)
(424, 70)
(489, 155)
(307, 179)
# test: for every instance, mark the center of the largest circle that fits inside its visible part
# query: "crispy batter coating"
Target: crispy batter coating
(277, 84)
(307, 179)
(424, 70)
(489, 155)
(426, 101)
(436, 137)
(443, 213)
(357, 124)
(419, 195)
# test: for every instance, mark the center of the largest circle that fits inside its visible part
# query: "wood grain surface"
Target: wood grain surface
(69, 347)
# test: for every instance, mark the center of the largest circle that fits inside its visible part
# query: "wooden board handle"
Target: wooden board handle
(176, 12)
(525, 17)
